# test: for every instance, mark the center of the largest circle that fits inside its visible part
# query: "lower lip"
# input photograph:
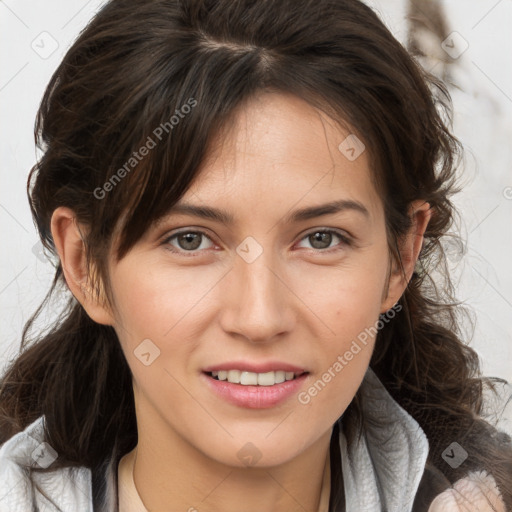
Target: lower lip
(255, 397)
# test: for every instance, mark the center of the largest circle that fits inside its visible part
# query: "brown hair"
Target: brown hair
(132, 68)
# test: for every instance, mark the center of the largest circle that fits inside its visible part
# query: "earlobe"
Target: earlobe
(409, 248)
(70, 246)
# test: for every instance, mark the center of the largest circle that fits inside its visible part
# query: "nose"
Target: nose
(258, 302)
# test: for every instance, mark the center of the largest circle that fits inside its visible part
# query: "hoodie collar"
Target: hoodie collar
(382, 470)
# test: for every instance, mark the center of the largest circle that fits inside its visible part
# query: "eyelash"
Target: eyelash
(345, 241)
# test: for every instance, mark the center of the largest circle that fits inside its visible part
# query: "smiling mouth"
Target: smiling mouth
(245, 378)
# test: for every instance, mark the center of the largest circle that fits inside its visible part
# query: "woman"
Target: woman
(246, 199)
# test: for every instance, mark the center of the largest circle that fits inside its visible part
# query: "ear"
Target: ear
(71, 249)
(409, 246)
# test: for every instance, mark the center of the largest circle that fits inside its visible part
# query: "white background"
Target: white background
(29, 31)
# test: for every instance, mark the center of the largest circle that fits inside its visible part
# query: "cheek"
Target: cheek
(159, 301)
(160, 315)
(343, 357)
(155, 311)
(348, 303)
(347, 298)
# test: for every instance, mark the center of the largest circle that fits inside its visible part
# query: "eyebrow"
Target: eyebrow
(311, 212)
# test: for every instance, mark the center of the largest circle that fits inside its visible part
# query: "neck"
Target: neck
(173, 475)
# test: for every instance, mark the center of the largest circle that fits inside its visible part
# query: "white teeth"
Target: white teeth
(234, 376)
(249, 379)
(281, 376)
(266, 379)
(253, 379)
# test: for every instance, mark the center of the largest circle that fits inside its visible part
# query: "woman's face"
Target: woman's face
(260, 292)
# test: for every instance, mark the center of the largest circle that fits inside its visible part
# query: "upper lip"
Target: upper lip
(247, 366)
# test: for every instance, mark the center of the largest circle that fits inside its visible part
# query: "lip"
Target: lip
(254, 397)
(247, 366)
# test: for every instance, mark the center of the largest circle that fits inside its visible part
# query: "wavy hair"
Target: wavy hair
(129, 71)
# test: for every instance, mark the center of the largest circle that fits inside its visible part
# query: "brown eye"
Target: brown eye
(186, 241)
(323, 239)
(189, 241)
(320, 240)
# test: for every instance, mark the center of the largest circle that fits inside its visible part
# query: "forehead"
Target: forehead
(279, 150)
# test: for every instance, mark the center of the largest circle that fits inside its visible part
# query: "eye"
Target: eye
(193, 241)
(187, 241)
(321, 239)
